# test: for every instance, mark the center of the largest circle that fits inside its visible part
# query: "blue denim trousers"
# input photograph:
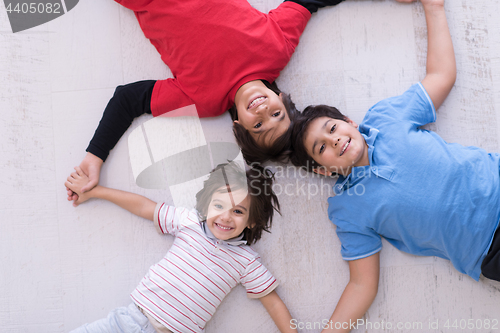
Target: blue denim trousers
(126, 319)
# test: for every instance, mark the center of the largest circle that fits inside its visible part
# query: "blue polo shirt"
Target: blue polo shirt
(425, 196)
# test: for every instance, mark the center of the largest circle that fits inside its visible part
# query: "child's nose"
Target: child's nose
(225, 216)
(336, 142)
(261, 108)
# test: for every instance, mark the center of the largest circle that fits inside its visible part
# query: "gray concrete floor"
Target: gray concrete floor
(62, 267)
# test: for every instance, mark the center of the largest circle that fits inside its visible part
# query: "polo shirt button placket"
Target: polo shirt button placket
(217, 243)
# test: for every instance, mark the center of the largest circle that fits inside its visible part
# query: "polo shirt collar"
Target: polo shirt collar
(358, 173)
(236, 241)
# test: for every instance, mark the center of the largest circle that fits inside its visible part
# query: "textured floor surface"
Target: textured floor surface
(63, 266)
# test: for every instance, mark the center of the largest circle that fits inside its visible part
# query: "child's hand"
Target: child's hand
(91, 166)
(75, 183)
(426, 2)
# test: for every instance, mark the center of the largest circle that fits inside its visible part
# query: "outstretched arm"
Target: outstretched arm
(358, 295)
(278, 311)
(134, 203)
(441, 65)
(128, 102)
(313, 5)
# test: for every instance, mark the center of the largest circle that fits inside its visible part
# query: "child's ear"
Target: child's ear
(236, 122)
(281, 97)
(322, 171)
(352, 122)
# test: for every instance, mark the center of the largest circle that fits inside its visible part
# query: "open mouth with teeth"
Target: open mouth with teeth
(346, 145)
(256, 102)
(224, 228)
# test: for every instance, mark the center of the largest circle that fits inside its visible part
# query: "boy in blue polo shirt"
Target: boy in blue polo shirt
(396, 180)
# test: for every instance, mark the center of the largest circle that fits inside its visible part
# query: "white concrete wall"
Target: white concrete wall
(63, 266)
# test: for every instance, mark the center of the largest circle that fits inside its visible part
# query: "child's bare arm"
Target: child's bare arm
(278, 311)
(441, 65)
(134, 203)
(358, 295)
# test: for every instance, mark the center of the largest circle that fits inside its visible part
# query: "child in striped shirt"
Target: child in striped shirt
(210, 255)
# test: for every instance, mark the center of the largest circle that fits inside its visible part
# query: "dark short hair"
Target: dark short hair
(299, 156)
(263, 200)
(280, 149)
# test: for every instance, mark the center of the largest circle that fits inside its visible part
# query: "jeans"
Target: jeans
(126, 319)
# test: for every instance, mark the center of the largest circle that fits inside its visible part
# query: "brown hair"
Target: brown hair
(279, 150)
(299, 156)
(258, 181)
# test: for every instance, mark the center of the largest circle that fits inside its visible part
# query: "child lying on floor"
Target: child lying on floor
(396, 180)
(210, 255)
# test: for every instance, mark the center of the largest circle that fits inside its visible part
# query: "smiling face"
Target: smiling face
(228, 213)
(335, 144)
(261, 112)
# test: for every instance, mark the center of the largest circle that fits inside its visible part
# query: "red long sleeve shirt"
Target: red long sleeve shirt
(214, 47)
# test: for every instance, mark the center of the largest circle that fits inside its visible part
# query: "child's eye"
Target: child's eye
(237, 211)
(218, 206)
(258, 125)
(322, 148)
(333, 129)
(276, 113)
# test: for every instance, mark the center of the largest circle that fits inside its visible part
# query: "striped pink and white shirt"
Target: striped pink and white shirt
(184, 289)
